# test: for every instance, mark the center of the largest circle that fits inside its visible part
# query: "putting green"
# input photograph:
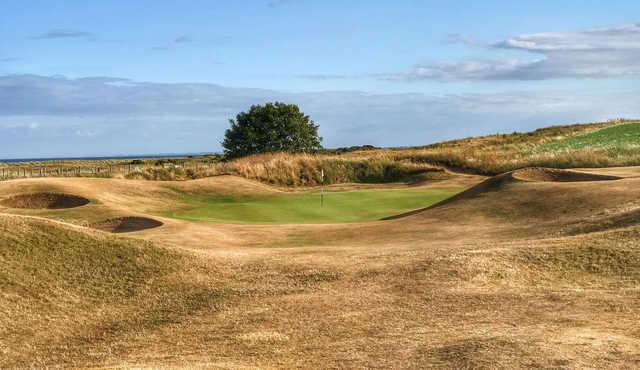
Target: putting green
(347, 206)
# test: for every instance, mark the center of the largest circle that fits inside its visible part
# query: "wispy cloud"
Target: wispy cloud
(325, 77)
(39, 114)
(625, 37)
(9, 59)
(182, 39)
(279, 3)
(173, 44)
(64, 34)
(606, 52)
(475, 69)
(458, 38)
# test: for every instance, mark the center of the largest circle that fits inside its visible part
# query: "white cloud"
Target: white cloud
(469, 70)
(64, 34)
(594, 53)
(105, 116)
(625, 37)
(182, 39)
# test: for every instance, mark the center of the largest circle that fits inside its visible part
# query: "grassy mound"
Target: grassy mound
(68, 294)
(44, 201)
(603, 261)
(556, 175)
(610, 261)
(516, 196)
(350, 206)
(491, 184)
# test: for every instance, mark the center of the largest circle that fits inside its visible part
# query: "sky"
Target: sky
(84, 78)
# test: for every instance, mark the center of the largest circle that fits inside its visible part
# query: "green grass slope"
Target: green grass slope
(602, 144)
(625, 136)
(349, 206)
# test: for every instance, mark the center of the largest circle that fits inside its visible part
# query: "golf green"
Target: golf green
(345, 206)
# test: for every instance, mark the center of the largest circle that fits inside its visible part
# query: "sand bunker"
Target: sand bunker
(126, 224)
(556, 175)
(44, 201)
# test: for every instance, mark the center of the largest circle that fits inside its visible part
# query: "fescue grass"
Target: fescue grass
(495, 154)
(349, 206)
(486, 155)
(285, 169)
(67, 289)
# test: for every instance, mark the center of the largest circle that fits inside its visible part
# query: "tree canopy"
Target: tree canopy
(273, 127)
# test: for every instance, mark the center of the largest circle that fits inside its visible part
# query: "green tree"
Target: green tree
(273, 127)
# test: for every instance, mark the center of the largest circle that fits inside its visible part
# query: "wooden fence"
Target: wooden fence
(34, 171)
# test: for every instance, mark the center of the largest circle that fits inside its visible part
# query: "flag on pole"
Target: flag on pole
(321, 187)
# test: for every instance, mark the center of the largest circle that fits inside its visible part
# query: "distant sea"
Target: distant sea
(117, 157)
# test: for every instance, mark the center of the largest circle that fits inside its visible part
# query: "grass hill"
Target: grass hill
(547, 147)
(625, 136)
(72, 293)
(535, 267)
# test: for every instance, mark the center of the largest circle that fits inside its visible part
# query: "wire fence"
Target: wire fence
(34, 171)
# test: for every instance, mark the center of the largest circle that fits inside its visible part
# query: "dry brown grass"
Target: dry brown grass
(486, 155)
(286, 169)
(508, 277)
(69, 295)
(495, 154)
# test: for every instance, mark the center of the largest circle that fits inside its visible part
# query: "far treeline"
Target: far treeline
(277, 143)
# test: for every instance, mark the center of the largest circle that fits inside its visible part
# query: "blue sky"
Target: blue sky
(84, 78)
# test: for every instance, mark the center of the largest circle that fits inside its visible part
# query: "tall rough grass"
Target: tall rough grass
(491, 155)
(486, 155)
(305, 169)
(287, 169)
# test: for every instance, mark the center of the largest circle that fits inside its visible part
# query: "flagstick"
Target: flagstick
(321, 188)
